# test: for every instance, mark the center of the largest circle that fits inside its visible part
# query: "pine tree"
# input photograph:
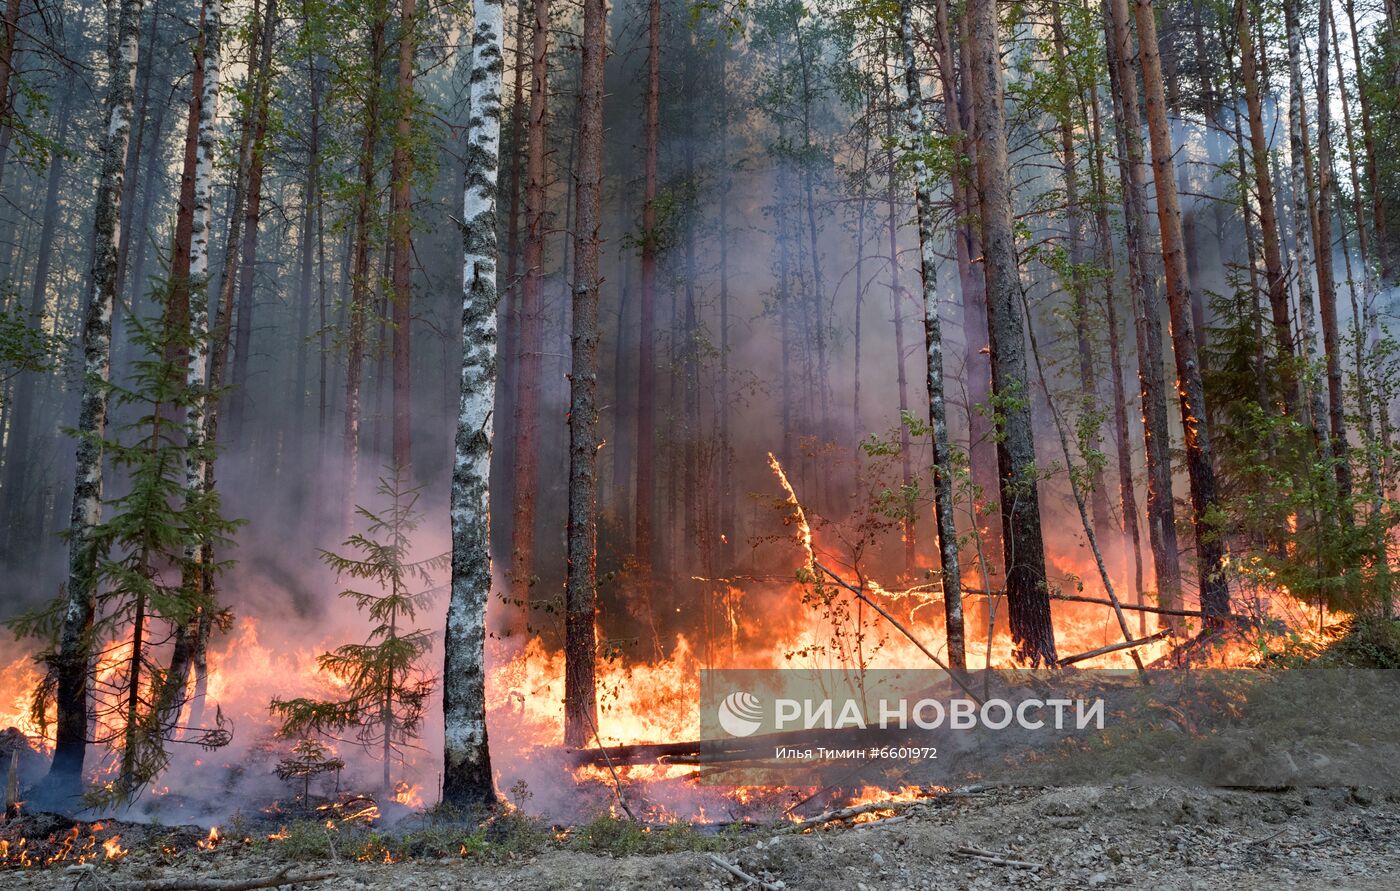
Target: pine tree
(385, 686)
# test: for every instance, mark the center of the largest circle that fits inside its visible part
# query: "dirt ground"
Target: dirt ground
(1081, 837)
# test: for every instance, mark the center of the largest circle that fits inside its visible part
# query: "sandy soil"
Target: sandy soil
(1082, 837)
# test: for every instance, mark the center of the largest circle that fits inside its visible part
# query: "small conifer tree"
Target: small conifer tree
(385, 687)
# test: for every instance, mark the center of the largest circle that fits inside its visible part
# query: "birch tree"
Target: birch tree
(924, 190)
(467, 780)
(70, 665)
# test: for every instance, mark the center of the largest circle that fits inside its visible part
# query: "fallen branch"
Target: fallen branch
(844, 813)
(740, 874)
(860, 593)
(187, 883)
(1113, 648)
(1159, 610)
(999, 860)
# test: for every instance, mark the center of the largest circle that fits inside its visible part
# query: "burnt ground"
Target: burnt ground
(1160, 838)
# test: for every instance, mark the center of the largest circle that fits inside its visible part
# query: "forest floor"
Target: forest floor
(1161, 838)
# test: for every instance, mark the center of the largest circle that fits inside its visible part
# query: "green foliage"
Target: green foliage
(384, 685)
(24, 347)
(149, 584)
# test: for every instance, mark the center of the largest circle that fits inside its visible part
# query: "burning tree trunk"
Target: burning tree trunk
(924, 186)
(401, 203)
(70, 665)
(1161, 513)
(1326, 283)
(646, 355)
(1027, 595)
(581, 586)
(1268, 218)
(467, 778)
(1210, 549)
(531, 325)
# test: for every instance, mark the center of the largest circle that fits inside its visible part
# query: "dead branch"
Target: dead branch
(1159, 610)
(998, 859)
(1113, 648)
(740, 874)
(285, 877)
(844, 813)
(860, 593)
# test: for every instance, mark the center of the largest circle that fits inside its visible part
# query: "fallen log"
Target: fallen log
(844, 813)
(191, 883)
(1113, 648)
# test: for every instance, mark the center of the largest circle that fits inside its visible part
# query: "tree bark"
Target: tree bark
(646, 353)
(531, 329)
(1326, 283)
(467, 780)
(70, 665)
(1028, 597)
(943, 508)
(581, 585)
(401, 210)
(1210, 549)
(1268, 218)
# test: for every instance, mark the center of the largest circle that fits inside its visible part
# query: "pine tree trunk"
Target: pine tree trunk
(1027, 592)
(26, 392)
(581, 585)
(943, 509)
(252, 216)
(360, 286)
(467, 780)
(1132, 545)
(1210, 549)
(1161, 512)
(977, 369)
(1268, 220)
(527, 392)
(1326, 283)
(1368, 141)
(70, 666)
(1304, 253)
(646, 353)
(401, 203)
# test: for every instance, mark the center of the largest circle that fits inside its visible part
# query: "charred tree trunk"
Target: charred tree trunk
(646, 352)
(581, 586)
(1027, 594)
(1210, 549)
(1161, 513)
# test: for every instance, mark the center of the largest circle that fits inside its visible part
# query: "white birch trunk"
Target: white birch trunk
(73, 656)
(467, 780)
(924, 187)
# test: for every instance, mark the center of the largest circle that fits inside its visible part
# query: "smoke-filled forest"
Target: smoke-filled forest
(404, 402)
